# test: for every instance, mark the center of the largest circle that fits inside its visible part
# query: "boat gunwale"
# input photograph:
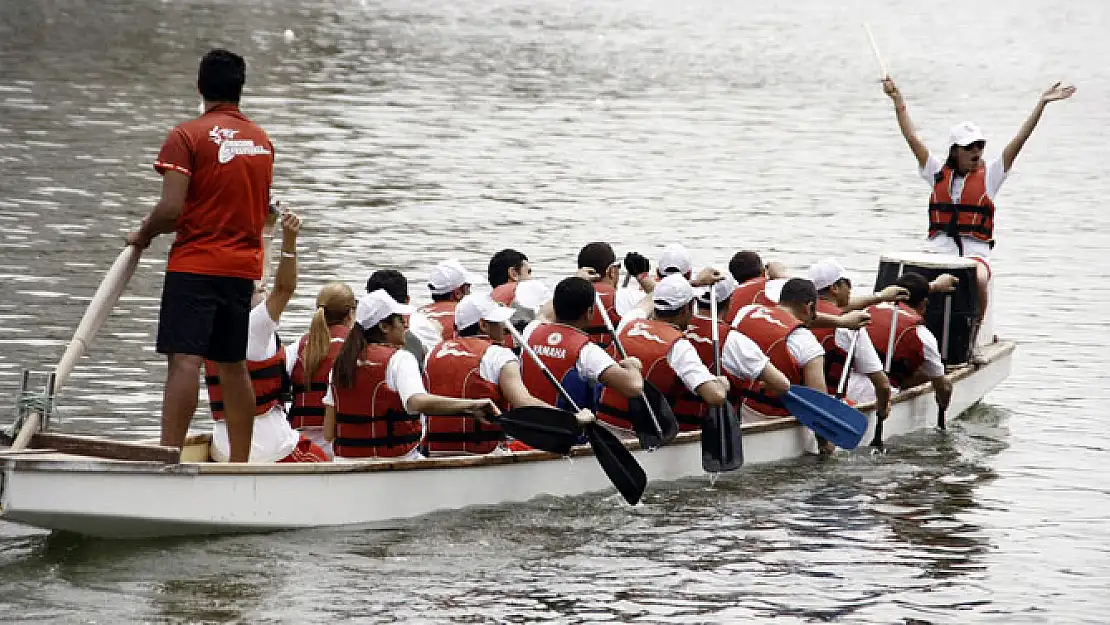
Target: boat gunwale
(74, 463)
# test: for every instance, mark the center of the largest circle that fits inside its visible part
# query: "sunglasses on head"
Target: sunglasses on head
(975, 145)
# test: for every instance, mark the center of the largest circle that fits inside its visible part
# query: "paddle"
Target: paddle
(883, 73)
(99, 308)
(721, 446)
(549, 429)
(615, 459)
(650, 414)
(827, 416)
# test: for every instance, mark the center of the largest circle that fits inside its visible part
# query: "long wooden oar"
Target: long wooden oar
(650, 414)
(99, 308)
(827, 416)
(722, 448)
(615, 459)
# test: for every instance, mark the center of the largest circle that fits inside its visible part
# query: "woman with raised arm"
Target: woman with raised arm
(961, 206)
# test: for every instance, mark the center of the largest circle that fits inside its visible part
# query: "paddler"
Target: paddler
(510, 277)
(600, 260)
(751, 276)
(961, 206)
(422, 334)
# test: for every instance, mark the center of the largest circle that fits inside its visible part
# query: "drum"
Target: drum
(949, 316)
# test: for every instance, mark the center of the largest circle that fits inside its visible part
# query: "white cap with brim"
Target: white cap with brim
(964, 134)
(478, 306)
(724, 290)
(373, 308)
(531, 295)
(448, 276)
(672, 293)
(825, 273)
(675, 259)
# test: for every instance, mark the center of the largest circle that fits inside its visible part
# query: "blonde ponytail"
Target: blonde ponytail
(318, 344)
(333, 306)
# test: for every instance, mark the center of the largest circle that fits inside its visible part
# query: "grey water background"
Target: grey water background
(411, 130)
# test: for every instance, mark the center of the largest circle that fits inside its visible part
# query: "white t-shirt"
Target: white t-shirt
(741, 357)
(402, 376)
(493, 361)
(628, 297)
(995, 175)
(592, 360)
(273, 438)
(429, 332)
(803, 346)
(933, 367)
(687, 364)
(866, 360)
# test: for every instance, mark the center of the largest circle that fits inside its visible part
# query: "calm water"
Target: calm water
(412, 130)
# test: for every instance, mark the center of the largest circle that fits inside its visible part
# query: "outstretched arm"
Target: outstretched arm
(920, 152)
(1053, 93)
(285, 280)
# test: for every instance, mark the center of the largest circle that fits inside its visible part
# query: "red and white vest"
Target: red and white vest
(370, 421)
(909, 352)
(442, 313)
(650, 341)
(769, 328)
(835, 357)
(558, 346)
(699, 333)
(307, 409)
(267, 377)
(972, 215)
(751, 292)
(453, 371)
(597, 331)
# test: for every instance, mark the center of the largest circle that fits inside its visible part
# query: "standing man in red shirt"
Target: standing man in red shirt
(216, 175)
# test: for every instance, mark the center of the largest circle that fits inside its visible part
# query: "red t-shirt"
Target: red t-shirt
(230, 162)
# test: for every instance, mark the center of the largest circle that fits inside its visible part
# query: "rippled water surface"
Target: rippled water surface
(411, 130)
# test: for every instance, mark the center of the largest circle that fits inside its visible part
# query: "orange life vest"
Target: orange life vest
(835, 357)
(597, 331)
(444, 314)
(370, 421)
(769, 328)
(909, 352)
(700, 335)
(970, 215)
(268, 377)
(651, 340)
(307, 409)
(751, 292)
(558, 346)
(453, 371)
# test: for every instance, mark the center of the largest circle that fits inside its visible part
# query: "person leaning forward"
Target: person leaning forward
(217, 171)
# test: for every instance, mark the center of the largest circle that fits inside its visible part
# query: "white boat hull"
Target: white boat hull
(128, 499)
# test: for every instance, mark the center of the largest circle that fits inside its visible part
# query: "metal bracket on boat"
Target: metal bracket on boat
(28, 401)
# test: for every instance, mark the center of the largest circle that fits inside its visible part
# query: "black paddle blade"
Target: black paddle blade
(721, 446)
(548, 429)
(618, 463)
(641, 420)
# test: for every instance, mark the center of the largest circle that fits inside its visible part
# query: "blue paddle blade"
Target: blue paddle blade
(827, 416)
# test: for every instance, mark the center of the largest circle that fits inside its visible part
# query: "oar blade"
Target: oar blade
(722, 448)
(644, 425)
(548, 429)
(826, 416)
(618, 463)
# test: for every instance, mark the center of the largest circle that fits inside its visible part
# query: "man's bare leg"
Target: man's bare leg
(179, 398)
(238, 394)
(982, 285)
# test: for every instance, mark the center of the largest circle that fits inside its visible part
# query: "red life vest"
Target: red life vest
(972, 215)
(444, 314)
(453, 371)
(909, 352)
(597, 331)
(769, 327)
(835, 357)
(558, 346)
(751, 292)
(370, 421)
(506, 295)
(308, 395)
(651, 340)
(268, 378)
(700, 335)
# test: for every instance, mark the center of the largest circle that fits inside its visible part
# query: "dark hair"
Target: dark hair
(745, 265)
(798, 291)
(573, 297)
(473, 329)
(346, 361)
(598, 256)
(501, 263)
(391, 281)
(950, 163)
(670, 314)
(917, 285)
(221, 76)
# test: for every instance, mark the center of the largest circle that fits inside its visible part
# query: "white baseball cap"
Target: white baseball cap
(724, 289)
(477, 306)
(374, 307)
(824, 273)
(964, 134)
(448, 276)
(672, 292)
(531, 295)
(675, 259)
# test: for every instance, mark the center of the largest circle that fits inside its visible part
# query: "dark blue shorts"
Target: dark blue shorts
(205, 316)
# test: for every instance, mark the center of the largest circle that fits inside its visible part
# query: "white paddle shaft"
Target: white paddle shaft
(883, 73)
